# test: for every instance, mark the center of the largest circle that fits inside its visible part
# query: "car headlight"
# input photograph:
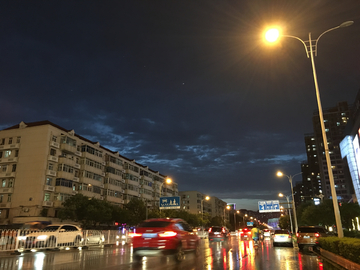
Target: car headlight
(41, 237)
(22, 238)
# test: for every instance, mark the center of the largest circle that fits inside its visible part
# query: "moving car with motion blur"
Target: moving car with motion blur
(282, 237)
(218, 234)
(266, 233)
(164, 236)
(309, 235)
(245, 233)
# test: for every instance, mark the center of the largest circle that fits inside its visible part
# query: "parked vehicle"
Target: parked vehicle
(218, 234)
(94, 237)
(309, 235)
(164, 236)
(54, 236)
(266, 233)
(282, 237)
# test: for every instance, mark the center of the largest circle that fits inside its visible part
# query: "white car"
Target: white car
(54, 236)
(93, 237)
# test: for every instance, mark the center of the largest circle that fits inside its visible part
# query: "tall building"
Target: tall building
(43, 164)
(191, 201)
(311, 185)
(335, 120)
(350, 149)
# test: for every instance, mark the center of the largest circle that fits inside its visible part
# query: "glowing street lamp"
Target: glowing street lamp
(311, 48)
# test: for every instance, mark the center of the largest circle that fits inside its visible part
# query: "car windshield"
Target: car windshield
(311, 230)
(216, 229)
(51, 228)
(154, 224)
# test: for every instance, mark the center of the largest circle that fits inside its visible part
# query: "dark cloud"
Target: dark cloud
(187, 88)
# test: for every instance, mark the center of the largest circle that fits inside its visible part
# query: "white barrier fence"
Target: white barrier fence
(20, 240)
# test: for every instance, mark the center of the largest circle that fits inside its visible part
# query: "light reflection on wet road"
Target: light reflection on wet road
(235, 255)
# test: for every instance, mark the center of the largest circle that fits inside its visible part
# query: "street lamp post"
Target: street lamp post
(202, 208)
(311, 49)
(290, 177)
(227, 207)
(167, 181)
(287, 198)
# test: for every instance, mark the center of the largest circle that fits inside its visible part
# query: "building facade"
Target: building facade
(191, 201)
(43, 164)
(335, 120)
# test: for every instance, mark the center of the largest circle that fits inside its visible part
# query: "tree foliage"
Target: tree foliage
(90, 212)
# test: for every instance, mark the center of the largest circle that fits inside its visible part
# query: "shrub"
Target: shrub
(348, 248)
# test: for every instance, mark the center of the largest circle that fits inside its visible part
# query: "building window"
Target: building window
(13, 168)
(54, 138)
(2, 141)
(47, 197)
(52, 152)
(18, 139)
(10, 140)
(11, 182)
(7, 153)
(51, 166)
(16, 153)
(48, 181)
(9, 198)
(3, 183)
(3, 168)
(1, 198)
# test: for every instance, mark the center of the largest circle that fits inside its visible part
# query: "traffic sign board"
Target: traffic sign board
(269, 206)
(170, 202)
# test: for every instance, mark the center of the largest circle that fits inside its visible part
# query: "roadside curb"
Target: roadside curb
(345, 263)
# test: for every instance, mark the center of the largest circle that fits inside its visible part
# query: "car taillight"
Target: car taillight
(135, 234)
(210, 229)
(223, 230)
(241, 232)
(317, 235)
(289, 236)
(167, 234)
(249, 233)
(297, 234)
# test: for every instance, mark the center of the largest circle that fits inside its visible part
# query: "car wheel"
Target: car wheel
(301, 247)
(179, 255)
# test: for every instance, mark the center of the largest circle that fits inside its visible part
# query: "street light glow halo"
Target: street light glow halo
(281, 195)
(279, 173)
(272, 35)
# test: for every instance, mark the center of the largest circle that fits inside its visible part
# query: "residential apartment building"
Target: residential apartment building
(43, 164)
(191, 201)
(335, 120)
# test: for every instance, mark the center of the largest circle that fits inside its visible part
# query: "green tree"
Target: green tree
(85, 210)
(136, 211)
(348, 212)
(284, 222)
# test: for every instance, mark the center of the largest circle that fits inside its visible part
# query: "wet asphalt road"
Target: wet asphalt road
(235, 255)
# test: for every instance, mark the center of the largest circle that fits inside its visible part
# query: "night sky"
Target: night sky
(187, 88)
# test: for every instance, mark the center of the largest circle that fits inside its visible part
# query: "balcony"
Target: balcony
(68, 148)
(54, 144)
(92, 157)
(49, 188)
(65, 175)
(76, 179)
(8, 160)
(51, 172)
(5, 205)
(113, 187)
(47, 204)
(9, 146)
(92, 169)
(6, 190)
(58, 204)
(7, 174)
(61, 189)
(53, 158)
(67, 161)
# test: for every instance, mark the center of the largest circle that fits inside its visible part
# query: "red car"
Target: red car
(245, 233)
(164, 236)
